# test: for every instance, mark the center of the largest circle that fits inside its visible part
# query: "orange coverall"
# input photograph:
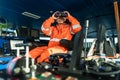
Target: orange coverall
(56, 33)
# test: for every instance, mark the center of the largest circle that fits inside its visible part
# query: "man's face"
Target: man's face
(61, 20)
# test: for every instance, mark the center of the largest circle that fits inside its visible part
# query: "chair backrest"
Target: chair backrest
(77, 50)
(74, 68)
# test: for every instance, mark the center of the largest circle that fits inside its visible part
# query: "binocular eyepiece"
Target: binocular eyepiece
(61, 14)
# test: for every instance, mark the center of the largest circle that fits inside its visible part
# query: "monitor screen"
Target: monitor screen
(34, 33)
(24, 32)
(13, 42)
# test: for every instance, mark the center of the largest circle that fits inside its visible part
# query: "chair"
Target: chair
(75, 58)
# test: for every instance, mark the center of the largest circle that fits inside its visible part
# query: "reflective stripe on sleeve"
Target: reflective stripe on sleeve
(47, 29)
(76, 26)
(71, 31)
(43, 28)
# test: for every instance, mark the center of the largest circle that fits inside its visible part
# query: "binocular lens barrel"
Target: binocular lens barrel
(61, 14)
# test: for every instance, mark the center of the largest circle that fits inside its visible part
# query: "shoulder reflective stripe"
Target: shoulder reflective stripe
(76, 26)
(55, 39)
(43, 28)
(46, 29)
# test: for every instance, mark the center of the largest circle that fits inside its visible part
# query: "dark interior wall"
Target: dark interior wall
(98, 12)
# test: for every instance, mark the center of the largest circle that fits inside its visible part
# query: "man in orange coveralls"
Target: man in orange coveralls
(61, 25)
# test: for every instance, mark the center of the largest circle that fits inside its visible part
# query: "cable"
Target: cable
(104, 73)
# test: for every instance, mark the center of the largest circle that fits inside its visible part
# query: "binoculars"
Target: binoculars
(61, 14)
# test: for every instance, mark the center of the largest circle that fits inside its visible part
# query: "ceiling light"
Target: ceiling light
(30, 15)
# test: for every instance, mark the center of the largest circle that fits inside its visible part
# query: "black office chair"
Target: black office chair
(72, 58)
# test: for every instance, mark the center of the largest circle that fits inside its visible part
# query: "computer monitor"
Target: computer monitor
(34, 33)
(24, 32)
(13, 42)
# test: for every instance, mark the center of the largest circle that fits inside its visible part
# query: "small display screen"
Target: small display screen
(34, 33)
(14, 42)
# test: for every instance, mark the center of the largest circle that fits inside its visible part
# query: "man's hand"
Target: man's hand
(54, 15)
(66, 12)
